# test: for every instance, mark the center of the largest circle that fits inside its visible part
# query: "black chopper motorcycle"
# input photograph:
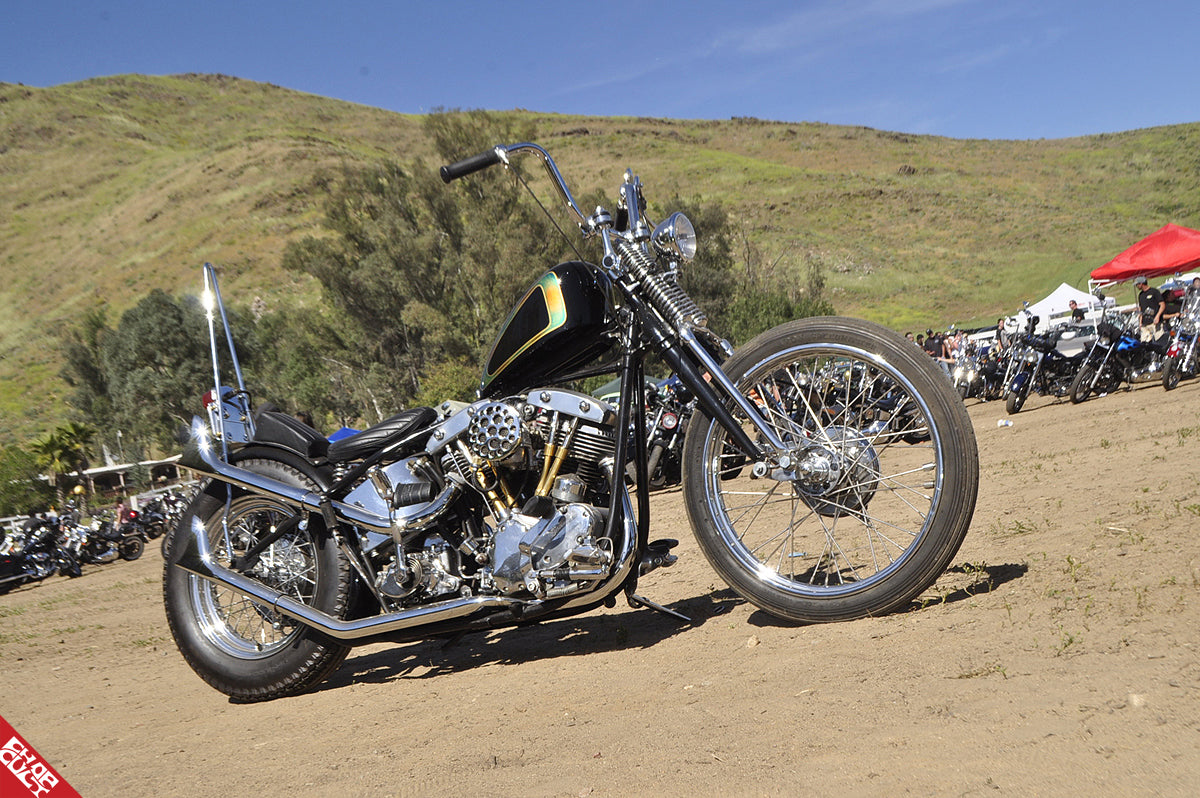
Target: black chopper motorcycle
(829, 471)
(1040, 367)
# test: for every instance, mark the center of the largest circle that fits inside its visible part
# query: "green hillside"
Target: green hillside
(115, 186)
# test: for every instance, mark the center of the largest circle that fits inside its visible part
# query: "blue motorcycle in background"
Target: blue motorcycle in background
(1119, 356)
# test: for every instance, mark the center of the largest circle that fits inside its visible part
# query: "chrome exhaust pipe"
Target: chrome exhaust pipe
(197, 558)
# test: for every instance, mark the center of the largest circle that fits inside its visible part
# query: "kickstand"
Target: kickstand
(636, 601)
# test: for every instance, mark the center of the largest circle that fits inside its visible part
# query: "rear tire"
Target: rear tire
(893, 503)
(131, 548)
(245, 649)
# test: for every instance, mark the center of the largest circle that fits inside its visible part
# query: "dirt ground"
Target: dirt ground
(1057, 657)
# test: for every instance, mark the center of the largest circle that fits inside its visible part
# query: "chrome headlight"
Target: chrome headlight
(675, 236)
(1031, 357)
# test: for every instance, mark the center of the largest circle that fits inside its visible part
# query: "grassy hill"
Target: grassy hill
(114, 186)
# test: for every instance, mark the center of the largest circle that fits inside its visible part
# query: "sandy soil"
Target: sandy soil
(1057, 657)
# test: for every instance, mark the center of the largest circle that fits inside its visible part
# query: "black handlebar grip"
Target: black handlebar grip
(469, 165)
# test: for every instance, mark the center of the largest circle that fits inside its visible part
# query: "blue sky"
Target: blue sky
(1017, 69)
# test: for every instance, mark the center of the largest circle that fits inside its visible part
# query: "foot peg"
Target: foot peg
(657, 554)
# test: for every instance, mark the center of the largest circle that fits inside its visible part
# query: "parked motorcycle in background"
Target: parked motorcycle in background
(33, 553)
(1181, 358)
(1118, 356)
(993, 364)
(829, 472)
(105, 541)
(1039, 366)
(668, 411)
(151, 519)
(967, 376)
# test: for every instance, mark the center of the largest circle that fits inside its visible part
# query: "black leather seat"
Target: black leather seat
(272, 426)
(386, 432)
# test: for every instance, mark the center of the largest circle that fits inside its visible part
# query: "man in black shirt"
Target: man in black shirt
(1076, 312)
(1150, 302)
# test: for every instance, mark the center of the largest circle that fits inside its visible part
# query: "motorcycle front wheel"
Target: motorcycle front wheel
(245, 649)
(1171, 375)
(1082, 385)
(1016, 400)
(882, 482)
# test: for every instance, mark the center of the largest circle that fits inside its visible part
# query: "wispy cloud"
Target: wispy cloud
(832, 19)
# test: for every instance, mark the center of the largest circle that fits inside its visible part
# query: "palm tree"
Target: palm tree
(63, 451)
(54, 455)
(78, 439)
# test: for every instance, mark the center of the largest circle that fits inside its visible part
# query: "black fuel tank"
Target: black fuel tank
(559, 325)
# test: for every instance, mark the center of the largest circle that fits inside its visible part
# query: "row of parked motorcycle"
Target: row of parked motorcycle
(43, 546)
(1119, 355)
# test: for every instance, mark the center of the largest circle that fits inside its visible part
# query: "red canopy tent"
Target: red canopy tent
(1171, 250)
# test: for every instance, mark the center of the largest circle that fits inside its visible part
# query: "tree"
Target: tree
(64, 451)
(742, 300)
(22, 490)
(77, 439)
(83, 351)
(157, 363)
(53, 454)
(303, 365)
(423, 274)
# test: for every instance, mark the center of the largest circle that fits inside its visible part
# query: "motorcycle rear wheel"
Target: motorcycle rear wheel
(898, 500)
(131, 548)
(243, 648)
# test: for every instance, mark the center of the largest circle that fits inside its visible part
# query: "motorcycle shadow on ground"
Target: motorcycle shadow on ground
(618, 629)
(984, 579)
(610, 630)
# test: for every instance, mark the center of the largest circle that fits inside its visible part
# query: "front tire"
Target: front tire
(1171, 374)
(1081, 386)
(878, 510)
(1016, 400)
(70, 565)
(245, 649)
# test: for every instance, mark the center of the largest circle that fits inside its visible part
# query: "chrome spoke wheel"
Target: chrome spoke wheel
(232, 622)
(871, 497)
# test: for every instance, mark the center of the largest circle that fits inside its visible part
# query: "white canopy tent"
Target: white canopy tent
(1055, 308)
